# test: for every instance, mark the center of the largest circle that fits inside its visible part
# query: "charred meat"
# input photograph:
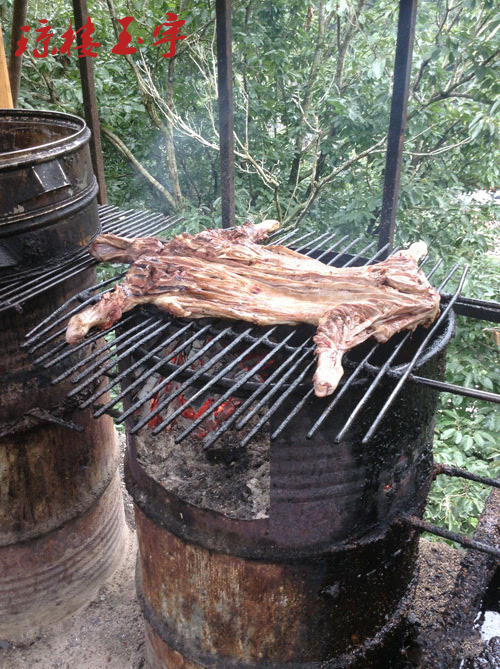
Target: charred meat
(227, 274)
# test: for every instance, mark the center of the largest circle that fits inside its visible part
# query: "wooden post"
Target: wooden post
(5, 94)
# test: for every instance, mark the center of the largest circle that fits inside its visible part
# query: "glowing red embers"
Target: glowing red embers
(213, 418)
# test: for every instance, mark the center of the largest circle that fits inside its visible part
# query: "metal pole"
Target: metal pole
(225, 89)
(397, 123)
(90, 102)
(18, 19)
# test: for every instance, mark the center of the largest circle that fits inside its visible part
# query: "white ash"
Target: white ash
(238, 488)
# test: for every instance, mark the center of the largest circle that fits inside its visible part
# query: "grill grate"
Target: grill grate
(16, 288)
(204, 355)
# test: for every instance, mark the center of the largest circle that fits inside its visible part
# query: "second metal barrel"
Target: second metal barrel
(62, 529)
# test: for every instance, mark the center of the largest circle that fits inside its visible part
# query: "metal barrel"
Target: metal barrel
(326, 579)
(62, 526)
(48, 205)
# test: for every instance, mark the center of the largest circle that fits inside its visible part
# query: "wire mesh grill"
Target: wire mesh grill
(170, 365)
(16, 288)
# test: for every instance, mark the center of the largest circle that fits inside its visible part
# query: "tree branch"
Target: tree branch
(125, 151)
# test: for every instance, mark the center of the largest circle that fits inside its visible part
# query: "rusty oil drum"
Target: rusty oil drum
(327, 578)
(62, 528)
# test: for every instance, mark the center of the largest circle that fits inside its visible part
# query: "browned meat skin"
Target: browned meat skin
(224, 273)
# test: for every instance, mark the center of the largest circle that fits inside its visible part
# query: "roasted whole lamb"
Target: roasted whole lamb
(226, 274)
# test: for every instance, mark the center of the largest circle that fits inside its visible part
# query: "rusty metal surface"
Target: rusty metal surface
(324, 576)
(45, 579)
(61, 512)
(221, 610)
(321, 491)
(48, 207)
(161, 656)
(23, 385)
(48, 474)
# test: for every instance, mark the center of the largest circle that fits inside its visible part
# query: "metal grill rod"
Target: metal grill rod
(279, 383)
(253, 397)
(380, 374)
(320, 244)
(361, 365)
(461, 539)
(150, 372)
(337, 243)
(69, 351)
(278, 403)
(237, 385)
(14, 294)
(208, 365)
(114, 343)
(121, 351)
(457, 390)
(35, 273)
(255, 368)
(189, 363)
(448, 470)
(165, 381)
(86, 301)
(349, 246)
(59, 274)
(346, 385)
(283, 239)
(187, 383)
(125, 213)
(275, 388)
(360, 253)
(320, 239)
(106, 407)
(212, 381)
(414, 361)
(129, 222)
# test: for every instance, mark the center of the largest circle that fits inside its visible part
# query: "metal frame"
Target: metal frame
(225, 89)
(397, 123)
(90, 103)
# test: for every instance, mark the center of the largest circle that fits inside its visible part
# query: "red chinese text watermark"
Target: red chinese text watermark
(167, 32)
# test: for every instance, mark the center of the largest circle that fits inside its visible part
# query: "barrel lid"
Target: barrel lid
(68, 132)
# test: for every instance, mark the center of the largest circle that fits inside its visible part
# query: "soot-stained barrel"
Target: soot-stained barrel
(325, 580)
(62, 528)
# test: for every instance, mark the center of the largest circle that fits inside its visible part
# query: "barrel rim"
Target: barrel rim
(49, 150)
(245, 538)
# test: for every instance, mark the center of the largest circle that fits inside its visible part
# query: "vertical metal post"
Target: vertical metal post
(19, 15)
(90, 102)
(397, 123)
(225, 89)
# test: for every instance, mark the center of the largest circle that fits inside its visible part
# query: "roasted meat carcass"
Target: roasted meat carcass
(227, 274)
